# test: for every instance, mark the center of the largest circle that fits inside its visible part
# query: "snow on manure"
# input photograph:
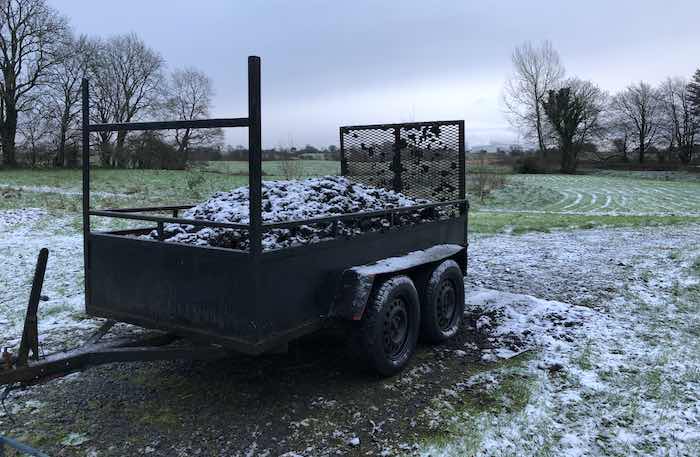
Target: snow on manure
(290, 201)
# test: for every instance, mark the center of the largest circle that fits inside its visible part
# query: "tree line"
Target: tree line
(565, 115)
(43, 62)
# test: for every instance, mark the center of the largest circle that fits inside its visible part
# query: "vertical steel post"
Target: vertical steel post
(396, 161)
(343, 159)
(254, 156)
(462, 167)
(86, 189)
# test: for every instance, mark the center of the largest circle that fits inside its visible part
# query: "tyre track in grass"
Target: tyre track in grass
(597, 196)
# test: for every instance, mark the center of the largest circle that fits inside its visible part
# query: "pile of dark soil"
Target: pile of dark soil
(296, 200)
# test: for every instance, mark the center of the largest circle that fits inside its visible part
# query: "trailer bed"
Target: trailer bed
(212, 294)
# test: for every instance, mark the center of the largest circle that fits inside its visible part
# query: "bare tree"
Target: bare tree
(31, 39)
(575, 113)
(679, 121)
(127, 77)
(536, 70)
(694, 92)
(64, 96)
(34, 127)
(639, 105)
(188, 97)
(619, 132)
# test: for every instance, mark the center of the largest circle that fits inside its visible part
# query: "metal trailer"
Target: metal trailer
(388, 285)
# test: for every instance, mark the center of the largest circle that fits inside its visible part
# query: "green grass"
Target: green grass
(545, 202)
(470, 409)
(518, 223)
(111, 187)
(597, 195)
(528, 203)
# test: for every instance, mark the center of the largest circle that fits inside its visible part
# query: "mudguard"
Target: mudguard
(356, 283)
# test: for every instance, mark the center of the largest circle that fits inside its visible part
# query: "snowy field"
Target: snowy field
(614, 370)
(587, 341)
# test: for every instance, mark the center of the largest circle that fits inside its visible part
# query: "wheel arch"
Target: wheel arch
(356, 283)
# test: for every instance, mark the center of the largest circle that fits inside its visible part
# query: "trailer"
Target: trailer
(387, 287)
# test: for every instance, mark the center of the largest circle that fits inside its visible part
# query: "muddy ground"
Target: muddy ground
(313, 400)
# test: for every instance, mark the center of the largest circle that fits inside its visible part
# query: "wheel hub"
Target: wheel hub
(446, 304)
(396, 328)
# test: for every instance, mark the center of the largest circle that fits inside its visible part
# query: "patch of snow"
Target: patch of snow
(12, 217)
(62, 322)
(409, 260)
(59, 190)
(619, 376)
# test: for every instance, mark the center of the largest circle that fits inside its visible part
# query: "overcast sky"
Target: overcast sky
(332, 63)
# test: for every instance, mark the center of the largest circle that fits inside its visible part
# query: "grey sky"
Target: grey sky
(330, 63)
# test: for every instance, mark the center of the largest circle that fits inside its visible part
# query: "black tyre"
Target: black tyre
(442, 303)
(387, 334)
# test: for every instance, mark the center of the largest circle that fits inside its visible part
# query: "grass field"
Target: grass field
(542, 202)
(527, 203)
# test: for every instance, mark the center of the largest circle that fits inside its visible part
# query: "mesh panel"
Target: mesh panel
(424, 160)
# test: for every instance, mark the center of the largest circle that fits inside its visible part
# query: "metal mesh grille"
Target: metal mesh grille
(423, 160)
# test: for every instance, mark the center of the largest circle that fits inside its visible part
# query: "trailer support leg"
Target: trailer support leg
(30, 335)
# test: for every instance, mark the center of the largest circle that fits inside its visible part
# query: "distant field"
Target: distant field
(60, 189)
(541, 202)
(527, 203)
(598, 195)
(277, 168)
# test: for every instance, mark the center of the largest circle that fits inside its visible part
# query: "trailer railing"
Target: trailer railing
(420, 159)
(389, 213)
(252, 122)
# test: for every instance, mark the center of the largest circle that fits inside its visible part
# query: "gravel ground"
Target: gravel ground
(313, 401)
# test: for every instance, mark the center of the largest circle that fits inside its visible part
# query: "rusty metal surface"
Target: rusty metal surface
(30, 335)
(147, 347)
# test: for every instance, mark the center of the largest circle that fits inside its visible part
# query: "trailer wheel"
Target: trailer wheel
(442, 303)
(387, 334)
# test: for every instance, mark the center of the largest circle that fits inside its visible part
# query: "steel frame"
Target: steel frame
(250, 323)
(256, 227)
(148, 347)
(252, 122)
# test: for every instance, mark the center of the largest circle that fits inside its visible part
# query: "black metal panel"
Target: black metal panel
(420, 159)
(207, 290)
(211, 292)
